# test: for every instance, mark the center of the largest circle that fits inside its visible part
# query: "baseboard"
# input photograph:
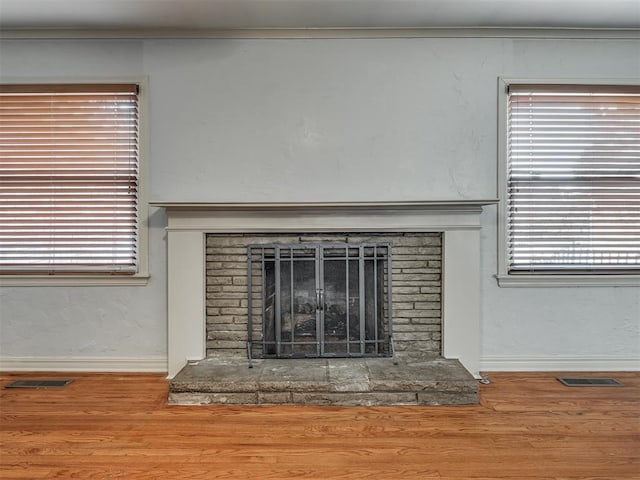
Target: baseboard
(557, 363)
(493, 363)
(84, 364)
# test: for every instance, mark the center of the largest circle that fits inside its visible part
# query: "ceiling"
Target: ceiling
(257, 14)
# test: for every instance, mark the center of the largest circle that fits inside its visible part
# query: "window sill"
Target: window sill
(73, 280)
(568, 280)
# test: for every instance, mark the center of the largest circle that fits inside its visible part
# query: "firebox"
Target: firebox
(319, 300)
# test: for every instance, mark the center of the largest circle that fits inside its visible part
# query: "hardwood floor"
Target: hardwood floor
(528, 426)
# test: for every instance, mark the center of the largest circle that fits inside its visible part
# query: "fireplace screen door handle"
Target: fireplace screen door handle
(320, 299)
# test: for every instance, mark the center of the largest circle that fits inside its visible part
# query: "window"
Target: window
(571, 195)
(69, 179)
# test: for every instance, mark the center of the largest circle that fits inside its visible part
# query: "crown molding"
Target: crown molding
(323, 33)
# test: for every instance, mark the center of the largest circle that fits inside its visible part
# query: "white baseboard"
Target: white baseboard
(84, 364)
(494, 363)
(557, 363)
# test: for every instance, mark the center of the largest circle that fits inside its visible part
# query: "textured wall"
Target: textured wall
(580, 322)
(330, 120)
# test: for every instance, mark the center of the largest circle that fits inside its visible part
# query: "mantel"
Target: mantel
(302, 217)
(460, 205)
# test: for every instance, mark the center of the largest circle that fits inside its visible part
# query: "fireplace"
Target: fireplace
(191, 226)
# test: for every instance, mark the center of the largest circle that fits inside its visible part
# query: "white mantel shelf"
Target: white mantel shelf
(290, 205)
(189, 222)
(462, 205)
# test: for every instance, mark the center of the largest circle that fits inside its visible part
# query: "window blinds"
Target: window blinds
(68, 178)
(573, 178)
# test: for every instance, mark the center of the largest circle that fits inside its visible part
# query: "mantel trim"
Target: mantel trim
(462, 205)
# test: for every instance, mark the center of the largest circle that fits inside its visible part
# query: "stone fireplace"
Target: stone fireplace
(198, 313)
(323, 295)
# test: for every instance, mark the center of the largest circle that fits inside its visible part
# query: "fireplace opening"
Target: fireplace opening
(319, 300)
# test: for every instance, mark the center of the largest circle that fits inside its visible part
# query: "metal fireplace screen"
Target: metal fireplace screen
(319, 300)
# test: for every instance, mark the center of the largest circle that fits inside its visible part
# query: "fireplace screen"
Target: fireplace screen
(319, 300)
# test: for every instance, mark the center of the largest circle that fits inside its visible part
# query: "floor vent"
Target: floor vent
(39, 384)
(590, 382)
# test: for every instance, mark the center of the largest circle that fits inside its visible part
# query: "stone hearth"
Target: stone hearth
(322, 381)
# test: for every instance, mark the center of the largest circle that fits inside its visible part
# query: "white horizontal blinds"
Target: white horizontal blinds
(68, 178)
(574, 178)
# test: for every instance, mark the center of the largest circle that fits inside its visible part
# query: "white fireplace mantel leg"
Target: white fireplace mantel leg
(186, 304)
(461, 298)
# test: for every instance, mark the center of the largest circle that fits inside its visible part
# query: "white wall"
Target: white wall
(322, 120)
(553, 328)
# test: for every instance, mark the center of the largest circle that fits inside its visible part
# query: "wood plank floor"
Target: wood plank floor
(528, 426)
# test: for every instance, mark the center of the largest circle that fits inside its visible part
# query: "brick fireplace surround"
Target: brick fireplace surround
(415, 280)
(188, 224)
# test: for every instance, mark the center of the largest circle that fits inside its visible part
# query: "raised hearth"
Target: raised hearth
(325, 381)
